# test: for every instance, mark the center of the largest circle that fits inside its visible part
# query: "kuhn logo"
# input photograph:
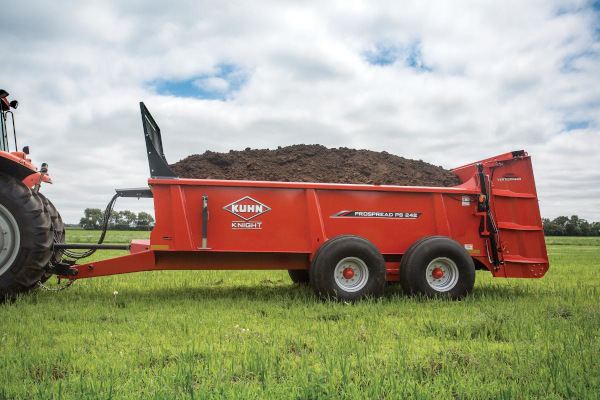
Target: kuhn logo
(247, 208)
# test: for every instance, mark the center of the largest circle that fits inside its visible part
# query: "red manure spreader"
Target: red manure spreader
(347, 241)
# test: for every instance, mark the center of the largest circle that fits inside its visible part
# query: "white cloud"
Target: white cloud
(212, 84)
(504, 76)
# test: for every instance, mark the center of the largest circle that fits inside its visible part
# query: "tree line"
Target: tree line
(574, 226)
(93, 218)
(128, 220)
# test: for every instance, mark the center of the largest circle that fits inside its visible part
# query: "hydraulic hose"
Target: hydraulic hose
(107, 213)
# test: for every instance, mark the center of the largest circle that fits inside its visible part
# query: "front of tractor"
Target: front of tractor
(29, 222)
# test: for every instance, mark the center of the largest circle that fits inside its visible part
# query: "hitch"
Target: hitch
(63, 268)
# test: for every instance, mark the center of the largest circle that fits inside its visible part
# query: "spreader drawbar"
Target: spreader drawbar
(79, 246)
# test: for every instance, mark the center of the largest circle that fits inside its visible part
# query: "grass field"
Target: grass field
(219, 334)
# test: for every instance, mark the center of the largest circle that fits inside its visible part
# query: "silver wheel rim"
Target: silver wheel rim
(360, 274)
(10, 239)
(448, 268)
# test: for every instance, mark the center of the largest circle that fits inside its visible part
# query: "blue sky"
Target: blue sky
(409, 55)
(445, 82)
(219, 85)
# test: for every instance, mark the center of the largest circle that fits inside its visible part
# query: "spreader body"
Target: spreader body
(221, 224)
(345, 240)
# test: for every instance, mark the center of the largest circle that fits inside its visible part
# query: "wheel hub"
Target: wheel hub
(351, 274)
(442, 274)
(348, 273)
(10, 239)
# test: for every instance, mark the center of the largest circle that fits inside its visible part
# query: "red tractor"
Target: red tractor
(29, 222)
(347, 241)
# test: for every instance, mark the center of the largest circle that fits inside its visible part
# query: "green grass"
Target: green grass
(253, 334)
(573, 241)
(83, 236)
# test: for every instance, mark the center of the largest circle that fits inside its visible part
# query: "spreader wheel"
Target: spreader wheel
(437, 266)
(25, 238)
(348, 268)
(299, 276)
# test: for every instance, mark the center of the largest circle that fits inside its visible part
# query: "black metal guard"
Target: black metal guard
(204, 221)
(159, 168)
(135, 192)
(12, 116)
(3, 132)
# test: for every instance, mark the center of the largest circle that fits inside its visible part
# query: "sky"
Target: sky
(446, 82)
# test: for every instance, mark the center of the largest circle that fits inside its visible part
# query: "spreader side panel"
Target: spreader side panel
(394, 221)
(239, 219)
(293, 219)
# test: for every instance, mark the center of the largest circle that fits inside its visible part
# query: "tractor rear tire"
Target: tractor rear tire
(348, 268)
(299, 276)
(58, 229)
(437, 266)
(25, 238)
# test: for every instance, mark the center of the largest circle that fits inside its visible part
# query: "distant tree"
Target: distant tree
(119, 220)
(115, 221)
(545, 221)
(586, 228)
(92, 218)
(128, 219)
(574, 226)
(552, 229)
(562, 221)
(144, 221)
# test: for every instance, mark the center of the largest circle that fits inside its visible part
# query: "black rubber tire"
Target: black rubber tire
(404, 278)
(299, 276)
(415, 261)
(331, 253)
(34, 224)
(319, 251)
(59, 234)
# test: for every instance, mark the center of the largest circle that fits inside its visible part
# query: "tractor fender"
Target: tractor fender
(32, 179)
(20, 167)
